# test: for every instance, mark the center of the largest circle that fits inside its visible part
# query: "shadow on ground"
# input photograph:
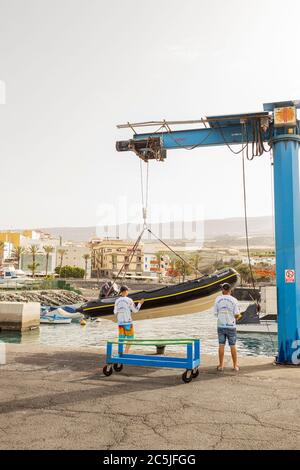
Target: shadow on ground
(131, 379)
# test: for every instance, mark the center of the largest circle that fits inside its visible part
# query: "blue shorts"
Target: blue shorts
(227, 333)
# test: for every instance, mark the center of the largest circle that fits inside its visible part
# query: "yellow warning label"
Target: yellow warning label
(286, 116)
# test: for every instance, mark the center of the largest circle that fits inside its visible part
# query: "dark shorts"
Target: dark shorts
(227, 333)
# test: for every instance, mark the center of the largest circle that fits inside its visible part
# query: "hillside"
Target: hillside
(218, 228)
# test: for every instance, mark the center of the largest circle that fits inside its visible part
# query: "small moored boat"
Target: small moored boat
(55, 320)
(251, 322)
(64, 312)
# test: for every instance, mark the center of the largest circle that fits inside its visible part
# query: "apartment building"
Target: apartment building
(108, 256)
(73, 254)
(156, 263)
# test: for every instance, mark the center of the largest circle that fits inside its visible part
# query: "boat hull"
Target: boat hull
(55, 320)
(166, 296)
(61, 312)
(269, 327)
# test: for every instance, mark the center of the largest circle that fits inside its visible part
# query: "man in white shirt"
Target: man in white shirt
(227, 310)
(124, 306)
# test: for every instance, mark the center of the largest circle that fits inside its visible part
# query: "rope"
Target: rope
(272, 192)
(246, 222)
(142, 183)
(192, 147)
(144, 192)
(246, 216)
(135, 247)
(258, 147)
(173, 251)
(145, 197)
(133, 250)
(248, 248)
(219, 128)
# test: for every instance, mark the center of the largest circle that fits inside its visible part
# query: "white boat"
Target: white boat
(62, 312)
(251, 322)
(66, 311)
(267, 327)
(55, 320)
(11, 276)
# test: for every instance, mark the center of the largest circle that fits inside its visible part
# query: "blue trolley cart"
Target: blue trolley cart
(115, 360)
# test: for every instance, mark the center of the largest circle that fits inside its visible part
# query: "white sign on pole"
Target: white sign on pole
(289, 276)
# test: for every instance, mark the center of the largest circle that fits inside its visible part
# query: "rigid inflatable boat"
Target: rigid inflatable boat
(184, 292)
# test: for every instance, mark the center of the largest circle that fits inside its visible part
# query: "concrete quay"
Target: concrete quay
(19, 316)
(58, 399)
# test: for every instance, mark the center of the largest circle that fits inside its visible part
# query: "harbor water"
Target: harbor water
(95, 333)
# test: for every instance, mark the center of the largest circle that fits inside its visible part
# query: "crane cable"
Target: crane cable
(175, 252)
(246, 224)
(145, 197)
(272, 193)
(248, 247)
(125, 266)
(144, 192)
(258, 147)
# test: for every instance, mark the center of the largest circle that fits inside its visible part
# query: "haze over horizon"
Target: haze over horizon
(205, 230)
(154, 222)
(73, 70)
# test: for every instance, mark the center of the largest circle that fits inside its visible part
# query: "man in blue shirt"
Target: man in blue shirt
(227, 310)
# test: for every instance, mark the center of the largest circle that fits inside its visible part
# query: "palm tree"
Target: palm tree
(48, 249)
(86, 258)
(61, 252)
(183, 268)
(195, 259)
(245, 273)
(97, 263)
(17, 254)
(34, 251)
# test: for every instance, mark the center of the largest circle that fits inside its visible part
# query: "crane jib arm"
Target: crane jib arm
(222, 130)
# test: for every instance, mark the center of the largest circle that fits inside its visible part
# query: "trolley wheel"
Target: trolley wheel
(187, 376)
(107, 370)
(195, 372)
(118, 367)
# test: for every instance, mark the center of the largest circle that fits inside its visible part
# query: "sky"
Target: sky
(74, 69)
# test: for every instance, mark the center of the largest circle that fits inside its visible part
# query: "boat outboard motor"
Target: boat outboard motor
(250, 315)
(104, 290)
(109, 289)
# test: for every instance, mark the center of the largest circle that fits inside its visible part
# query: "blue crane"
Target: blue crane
(276, 127)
